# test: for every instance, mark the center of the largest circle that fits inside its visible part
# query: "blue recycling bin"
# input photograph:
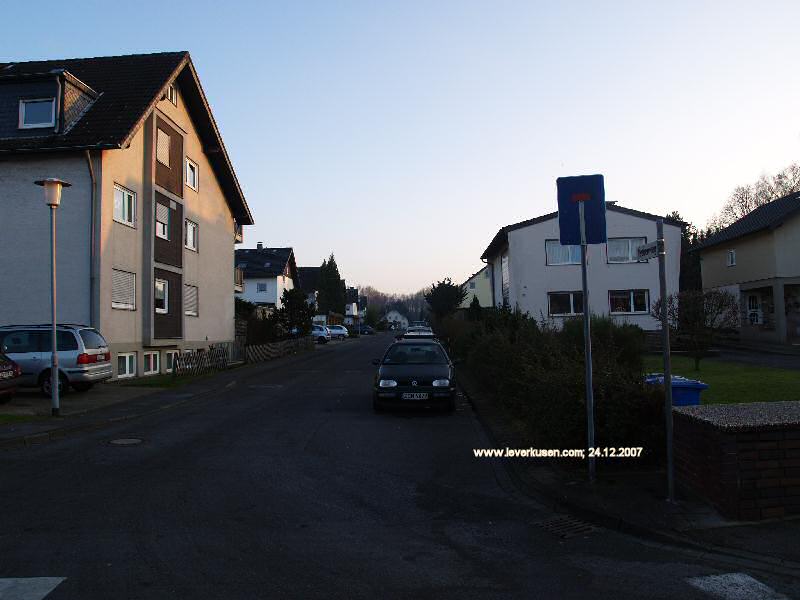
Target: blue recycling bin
(685, 392)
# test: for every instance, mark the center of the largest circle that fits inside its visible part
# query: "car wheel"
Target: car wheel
(320, 340)
(450, 407)
(6, 397)
(82, 387)
(44, 384)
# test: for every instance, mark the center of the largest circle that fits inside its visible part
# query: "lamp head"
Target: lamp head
(52, 190)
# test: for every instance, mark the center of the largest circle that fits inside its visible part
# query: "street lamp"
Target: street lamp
(52, 197)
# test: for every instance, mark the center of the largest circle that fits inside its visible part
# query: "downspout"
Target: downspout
(491, 279)
(92, 243)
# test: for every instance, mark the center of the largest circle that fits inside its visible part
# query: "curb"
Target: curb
(64, 431)
(549, 496)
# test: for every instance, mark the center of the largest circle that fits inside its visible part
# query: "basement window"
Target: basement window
(38, 112)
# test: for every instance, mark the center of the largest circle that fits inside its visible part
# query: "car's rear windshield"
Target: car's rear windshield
(415, 354)
(92, 339)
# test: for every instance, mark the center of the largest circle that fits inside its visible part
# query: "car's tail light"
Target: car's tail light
(17, 370)
(87, 359)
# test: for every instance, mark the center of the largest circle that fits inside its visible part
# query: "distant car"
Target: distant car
(414, 373)
(417, 333)
(83, 355)
(365, 330)
(10, 374)
(417, 324)
(338, 332)
(321, 333)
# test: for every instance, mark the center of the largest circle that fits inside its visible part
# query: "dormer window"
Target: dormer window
(37, 112)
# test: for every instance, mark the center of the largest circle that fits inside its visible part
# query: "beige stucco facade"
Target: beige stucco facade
(763, 271)
(479, 286)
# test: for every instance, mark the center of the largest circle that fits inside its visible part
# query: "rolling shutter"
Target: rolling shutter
(162, 147)
(190, 300)
(123, 289)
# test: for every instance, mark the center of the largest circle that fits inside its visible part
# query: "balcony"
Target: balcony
(238, 279)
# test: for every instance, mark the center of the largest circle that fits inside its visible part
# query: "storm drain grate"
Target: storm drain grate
(565, 527)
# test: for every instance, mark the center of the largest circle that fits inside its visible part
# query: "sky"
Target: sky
(402, 135)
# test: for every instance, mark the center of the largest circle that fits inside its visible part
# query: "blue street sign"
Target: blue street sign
(586, 190)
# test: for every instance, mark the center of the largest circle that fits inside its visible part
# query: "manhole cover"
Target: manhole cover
(126, 442)
(565, 527)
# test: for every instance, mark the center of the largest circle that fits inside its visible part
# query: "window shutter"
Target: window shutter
(190, 299)
(162, 213)
(123, 289)
(162, 147)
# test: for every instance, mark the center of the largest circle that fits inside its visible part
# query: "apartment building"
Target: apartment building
(531, 271)
(146, 232)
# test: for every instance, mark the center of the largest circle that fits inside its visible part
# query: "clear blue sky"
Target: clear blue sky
(402, 135)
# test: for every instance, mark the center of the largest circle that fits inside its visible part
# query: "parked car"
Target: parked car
(10, 374)
(321, 333)
(83, 356)
(414, 373)
(338, 332)
(365, 330)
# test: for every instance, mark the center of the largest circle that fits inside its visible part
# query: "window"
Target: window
(24, 341)
(472, 285)
(564, 303)
(172, 94)
(126, 365)
(557, 254)
(162, 221)
(124, 206)
(731, 258)
(40, 112)
(261, 287)
(161, 296)
(66, 341)
(92, 340)
(629, 301)
(190, 237)
(623, 250)
(505, 279)
(152, 363)
(162, 147)
(170, 358)
(190, 300)
(192, 174)
(123, 290)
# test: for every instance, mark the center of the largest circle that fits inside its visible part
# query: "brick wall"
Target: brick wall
(747, 475)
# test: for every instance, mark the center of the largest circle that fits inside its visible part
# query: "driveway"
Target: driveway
(287, 485)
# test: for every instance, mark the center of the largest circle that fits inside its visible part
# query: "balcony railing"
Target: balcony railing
(238, 279)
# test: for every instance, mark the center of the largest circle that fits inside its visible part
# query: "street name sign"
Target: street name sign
(647, 251)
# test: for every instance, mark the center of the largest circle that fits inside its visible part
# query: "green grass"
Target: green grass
(8, 419)
(733, 382)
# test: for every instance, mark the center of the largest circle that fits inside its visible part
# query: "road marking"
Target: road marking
(28, 588)
(735, 586)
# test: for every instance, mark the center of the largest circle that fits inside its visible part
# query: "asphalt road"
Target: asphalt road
(287, 485)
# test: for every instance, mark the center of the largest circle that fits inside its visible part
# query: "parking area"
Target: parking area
(31, 402)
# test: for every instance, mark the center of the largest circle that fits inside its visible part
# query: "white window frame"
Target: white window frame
(131, 222)
(191, 163)
(196, 311)
(155, 364)
(165, 310)
(159, 234)
(121, 305)
(189, 224)
(23, 102)
(127, 356)
(731, 258)
(574, 310)
(167, 354)
(632, 250)
(172, 94)
(159, 133)
(570, 261)
(631, 303)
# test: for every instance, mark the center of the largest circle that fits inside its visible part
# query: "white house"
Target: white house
(397, 319)
(531, 271)
(268, 272)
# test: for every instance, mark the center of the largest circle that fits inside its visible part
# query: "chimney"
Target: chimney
(260, 246)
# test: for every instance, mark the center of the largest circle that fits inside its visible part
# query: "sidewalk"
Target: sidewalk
(115, 403)
(634, 501)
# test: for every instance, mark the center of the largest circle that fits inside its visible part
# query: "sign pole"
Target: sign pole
(662, 279)
(587, 346)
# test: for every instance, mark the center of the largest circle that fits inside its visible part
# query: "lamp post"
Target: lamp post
(52, 197)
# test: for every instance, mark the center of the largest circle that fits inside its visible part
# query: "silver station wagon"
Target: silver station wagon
(83, 356)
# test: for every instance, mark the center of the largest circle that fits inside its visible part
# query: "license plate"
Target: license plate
(415, 396)
(101, 357)
(6, 374)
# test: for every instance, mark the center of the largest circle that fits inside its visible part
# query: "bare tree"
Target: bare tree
(698, 316)
(745, 199)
